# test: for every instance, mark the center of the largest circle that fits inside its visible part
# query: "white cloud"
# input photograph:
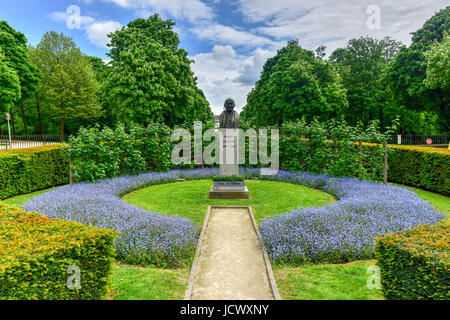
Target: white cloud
(192, 10)
(333, 23)
(97, 32)
(223, 73)
(224, 35)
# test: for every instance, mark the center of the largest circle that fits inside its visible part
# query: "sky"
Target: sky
(229, 41)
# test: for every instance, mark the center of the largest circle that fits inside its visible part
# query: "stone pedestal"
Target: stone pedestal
(228, 190)
(228, 166)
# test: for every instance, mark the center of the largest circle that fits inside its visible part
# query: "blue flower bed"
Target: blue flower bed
(342, 231)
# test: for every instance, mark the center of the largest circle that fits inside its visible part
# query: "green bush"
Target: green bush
(229, 178)
(415, 264)
(26, 170)
(37, 251)
(99, 154)
(421, 167)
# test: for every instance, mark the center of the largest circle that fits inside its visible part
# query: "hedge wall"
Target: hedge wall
(36, 252)
(427, 168)
(26, 170)
(415, 264)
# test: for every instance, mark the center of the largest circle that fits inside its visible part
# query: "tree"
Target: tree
(69, 87)
(405, 75)
(14, 46)
(438, 65)
(9, 86)
(150, 79)
(361, 64)
(295, 84)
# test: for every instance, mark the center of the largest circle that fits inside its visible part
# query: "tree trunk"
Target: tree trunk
(61, 128)
(25, 125)
(38, 106)
(12, 122)
(385, 164)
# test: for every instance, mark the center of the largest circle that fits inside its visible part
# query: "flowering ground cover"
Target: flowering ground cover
(339, 232)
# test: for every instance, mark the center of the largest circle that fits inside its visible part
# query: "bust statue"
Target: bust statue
(229, 118)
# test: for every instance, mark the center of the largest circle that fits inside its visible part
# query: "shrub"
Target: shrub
(26, 170)
(427, 168)
(36, 251)
(99, 154)
(415, 264)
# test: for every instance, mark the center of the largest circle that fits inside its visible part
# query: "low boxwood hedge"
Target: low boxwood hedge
(427, 168)
(37, 252)
(415, 264)
(26, 170)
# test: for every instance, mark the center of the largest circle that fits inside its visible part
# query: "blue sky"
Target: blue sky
(228, 40)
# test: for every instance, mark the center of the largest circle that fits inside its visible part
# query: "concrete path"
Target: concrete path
(230, 263)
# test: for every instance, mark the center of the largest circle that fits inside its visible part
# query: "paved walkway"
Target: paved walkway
(231, 264)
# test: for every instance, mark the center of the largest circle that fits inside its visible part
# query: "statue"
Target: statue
(229, 118)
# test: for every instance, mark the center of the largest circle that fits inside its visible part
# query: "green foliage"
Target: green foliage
(332, 148)
(9, 86)
(361, 64)
(405, 75)
(420, 167)
(106, 153)
(295, 84)
(69, 87)
(26, 170)
(13, 45)
(438, 65)
(150, 79)
(229, 178)
(37, 252)
(415, 264)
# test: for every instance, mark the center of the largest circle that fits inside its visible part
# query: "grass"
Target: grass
(17, 201)
(190, 198)
(326, 282)
(148, 283)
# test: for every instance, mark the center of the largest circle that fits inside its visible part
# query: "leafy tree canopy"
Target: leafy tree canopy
(405, 75)
(9, 86)
(150, 79)
(295, 84)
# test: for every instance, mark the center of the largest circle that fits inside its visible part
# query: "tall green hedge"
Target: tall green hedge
(421, 167)
(37, 254)
(26, 170)
(415, 264)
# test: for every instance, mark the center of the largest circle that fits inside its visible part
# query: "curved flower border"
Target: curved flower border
(342, 231)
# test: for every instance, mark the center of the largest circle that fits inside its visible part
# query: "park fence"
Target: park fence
(434, 141)
(29, 141)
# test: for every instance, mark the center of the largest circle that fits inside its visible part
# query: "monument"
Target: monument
(231, 186)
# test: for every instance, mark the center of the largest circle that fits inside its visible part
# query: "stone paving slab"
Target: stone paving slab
(230, 263)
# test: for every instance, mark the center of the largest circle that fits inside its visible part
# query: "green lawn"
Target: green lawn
(19, 200)
(190, 198)
(326, 282)
(148, 283)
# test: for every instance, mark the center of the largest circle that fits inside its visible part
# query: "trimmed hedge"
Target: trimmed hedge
(427, 168)
(415, 264)
(36, 251)
(26, 170)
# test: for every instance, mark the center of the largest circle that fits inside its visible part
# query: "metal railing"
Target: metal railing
(435, 141)
(20, 142)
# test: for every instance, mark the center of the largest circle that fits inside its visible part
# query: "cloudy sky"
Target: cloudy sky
(228, 40)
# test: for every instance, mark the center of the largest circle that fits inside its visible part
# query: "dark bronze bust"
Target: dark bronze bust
(229, 118)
